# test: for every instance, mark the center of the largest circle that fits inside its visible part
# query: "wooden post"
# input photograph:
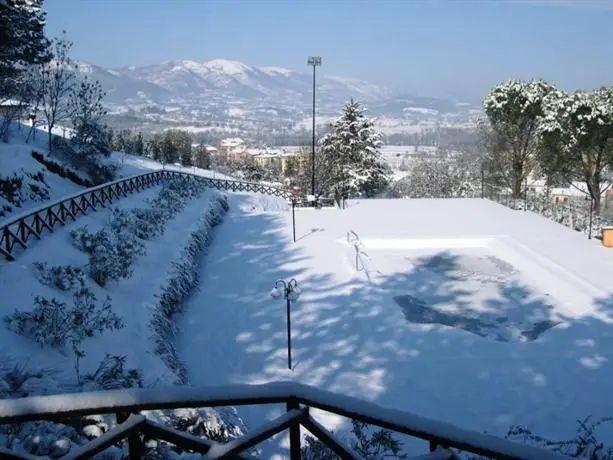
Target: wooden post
(294, 432)
(294, 217)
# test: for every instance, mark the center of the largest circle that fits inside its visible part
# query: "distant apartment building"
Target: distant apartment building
(278, 157)
(232, 150)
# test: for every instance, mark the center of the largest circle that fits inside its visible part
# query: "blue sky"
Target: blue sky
(438, 47)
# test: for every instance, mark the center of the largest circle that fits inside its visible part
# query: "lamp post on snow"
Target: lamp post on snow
(313, 61)
(290, 291)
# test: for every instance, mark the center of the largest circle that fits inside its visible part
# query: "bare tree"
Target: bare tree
(56, 81)
(90, 135)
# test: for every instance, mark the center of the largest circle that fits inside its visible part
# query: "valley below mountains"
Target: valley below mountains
(224, 97)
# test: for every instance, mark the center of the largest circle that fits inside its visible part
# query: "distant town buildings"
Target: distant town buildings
(232, 150)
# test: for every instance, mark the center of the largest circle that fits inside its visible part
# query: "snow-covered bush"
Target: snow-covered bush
(111, 374)
(148, 223)
(20, 381)
(61, 170)
(53, 323)
(213, 424)
(369, 446)
(174, 195)
(183, 278)
(101, 173)
(65, 278)
(112, 252)
(18, 189)
(144, 223)
(45, 439)
(585, 444)
(223, 202)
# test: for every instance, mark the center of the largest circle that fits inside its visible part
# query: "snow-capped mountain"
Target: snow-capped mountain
(240, 80)
(231, 95)
(120, 88)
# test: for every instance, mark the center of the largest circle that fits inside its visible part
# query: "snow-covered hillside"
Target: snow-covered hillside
(27, 180)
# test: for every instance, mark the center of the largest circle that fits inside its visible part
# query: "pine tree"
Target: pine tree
(22, 41)
(169, 150)
(139, 145)
(351, 151)
(202, 158)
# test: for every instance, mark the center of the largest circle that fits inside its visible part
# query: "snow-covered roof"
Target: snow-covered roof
(268, 152)
(231, 142)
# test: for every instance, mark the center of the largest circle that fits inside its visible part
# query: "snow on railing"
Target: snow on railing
(16, 231)
(298, 398)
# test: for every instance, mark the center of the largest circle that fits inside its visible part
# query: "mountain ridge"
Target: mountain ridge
(232, 94)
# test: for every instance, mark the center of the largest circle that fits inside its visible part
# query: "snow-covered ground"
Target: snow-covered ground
(461, 310)
(380, 334)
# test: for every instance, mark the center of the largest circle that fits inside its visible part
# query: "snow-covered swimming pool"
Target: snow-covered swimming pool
(478, 285)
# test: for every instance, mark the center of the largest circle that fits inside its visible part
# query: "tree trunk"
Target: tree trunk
(593, 182)
(596, 202)
(50, 137)
(593, 188)
(517, 182)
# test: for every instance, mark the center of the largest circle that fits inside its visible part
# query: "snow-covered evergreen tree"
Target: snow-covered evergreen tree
(351, 151)
(22, 41)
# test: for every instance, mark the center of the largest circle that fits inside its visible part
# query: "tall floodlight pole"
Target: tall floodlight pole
(313, 61)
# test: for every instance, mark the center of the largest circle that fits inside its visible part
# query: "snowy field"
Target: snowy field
(462, 310)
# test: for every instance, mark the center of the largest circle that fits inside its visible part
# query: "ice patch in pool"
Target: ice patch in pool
(513, 315)
(488, 326)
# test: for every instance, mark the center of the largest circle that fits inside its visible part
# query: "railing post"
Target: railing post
(294, 432)
(136, 448)
(289, 332)
(294, 217)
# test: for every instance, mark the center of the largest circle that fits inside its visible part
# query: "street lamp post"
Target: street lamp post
(313, 61)
(290, 291)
